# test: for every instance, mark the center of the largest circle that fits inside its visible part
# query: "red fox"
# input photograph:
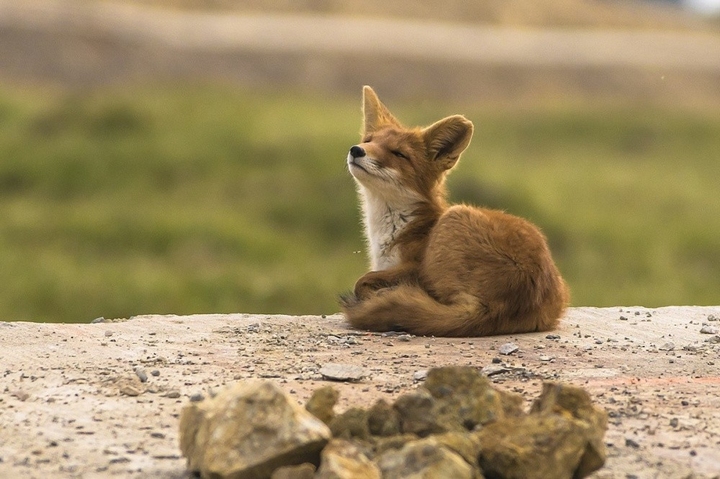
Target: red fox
(436, 269)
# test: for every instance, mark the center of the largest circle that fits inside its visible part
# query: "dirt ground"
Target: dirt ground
(72, 403)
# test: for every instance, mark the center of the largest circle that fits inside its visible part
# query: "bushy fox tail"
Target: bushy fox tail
(410, 308)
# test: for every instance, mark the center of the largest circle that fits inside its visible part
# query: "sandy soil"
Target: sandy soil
(72, 403)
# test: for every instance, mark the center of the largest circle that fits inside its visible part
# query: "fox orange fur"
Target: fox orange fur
(437, 269)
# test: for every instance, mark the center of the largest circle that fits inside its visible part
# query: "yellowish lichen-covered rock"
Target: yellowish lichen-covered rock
(342, 459)
(561, 398)
(465, 399)
(248, 430)
(299, 471)
(322, 402)
(424, 459)
(562, 437)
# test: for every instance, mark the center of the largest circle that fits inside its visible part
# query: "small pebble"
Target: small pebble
(508, 348)
(494, 370)
(197, 397)
(629, 442)
(709, 330)
(130, 391)
(173, 394)
(108, 334)
(155, 372)
(496, 360)
(21, 395)
(553, 336)
(141, 374)
(342, 372)
(420, 375)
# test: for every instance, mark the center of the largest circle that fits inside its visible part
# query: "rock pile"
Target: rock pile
(455, 425)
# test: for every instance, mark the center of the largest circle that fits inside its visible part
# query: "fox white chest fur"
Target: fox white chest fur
(383, 223)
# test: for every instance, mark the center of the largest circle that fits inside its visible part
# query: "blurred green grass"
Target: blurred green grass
(209, 199)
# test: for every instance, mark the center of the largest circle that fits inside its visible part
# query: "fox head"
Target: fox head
(405, 164)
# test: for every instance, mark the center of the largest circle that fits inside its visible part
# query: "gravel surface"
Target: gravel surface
(102, 400)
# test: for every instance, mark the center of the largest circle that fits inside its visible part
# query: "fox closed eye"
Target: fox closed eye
(399, 154)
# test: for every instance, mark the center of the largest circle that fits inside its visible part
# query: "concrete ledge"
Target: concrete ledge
(72, 403)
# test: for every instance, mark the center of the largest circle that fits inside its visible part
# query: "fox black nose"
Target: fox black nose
(357, 151)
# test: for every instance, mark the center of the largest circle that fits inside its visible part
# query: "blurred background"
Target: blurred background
(187, 156)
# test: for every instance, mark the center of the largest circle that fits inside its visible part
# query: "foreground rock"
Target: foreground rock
(424, 458)
(560, 438)
(455, 425)
(343, 459)
(248, 431)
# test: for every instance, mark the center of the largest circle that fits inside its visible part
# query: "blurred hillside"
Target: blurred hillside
(182, 156)
(548, 13)
(491, 52)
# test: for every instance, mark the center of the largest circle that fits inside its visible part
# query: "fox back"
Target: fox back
(438, 269)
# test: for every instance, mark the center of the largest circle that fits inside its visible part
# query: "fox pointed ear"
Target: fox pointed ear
(376, 115)
(447, 139)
